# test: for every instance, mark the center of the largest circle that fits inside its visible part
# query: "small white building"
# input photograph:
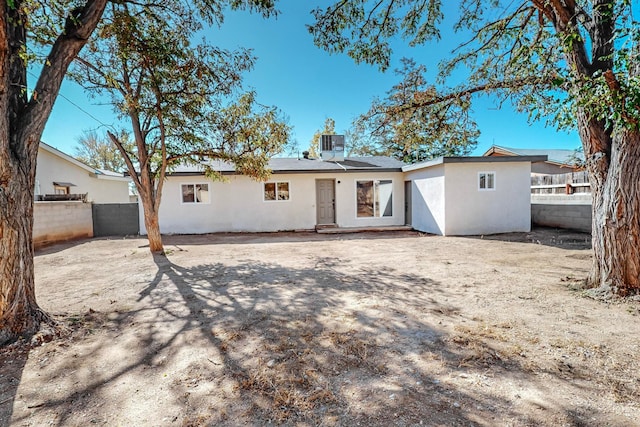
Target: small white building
(447, 196)
(470, 195)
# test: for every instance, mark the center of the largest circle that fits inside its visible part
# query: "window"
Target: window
(274, 191)
(62, 187)
(195, 193)
(486, 181)
(374, 198)
(58, 189)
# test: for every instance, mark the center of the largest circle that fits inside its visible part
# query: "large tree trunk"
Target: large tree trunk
(615, 183)
(613, 162)
(151, 224)
(22, 121)
(148, 193)
(20, 315)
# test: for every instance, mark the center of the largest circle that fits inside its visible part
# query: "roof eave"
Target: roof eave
(475, 159)
(499, 149)
(294, 172)
(114, 178)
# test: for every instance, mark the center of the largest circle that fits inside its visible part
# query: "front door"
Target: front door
(325, 201)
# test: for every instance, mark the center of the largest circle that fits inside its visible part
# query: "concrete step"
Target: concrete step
(340, 230)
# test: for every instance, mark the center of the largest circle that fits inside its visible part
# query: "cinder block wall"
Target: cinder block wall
(55, 222)
(562, 211)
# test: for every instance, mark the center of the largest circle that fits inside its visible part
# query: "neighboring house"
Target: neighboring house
(559, 161)
(60, 177)
(62, 185)
(478, 195)
(560, 191)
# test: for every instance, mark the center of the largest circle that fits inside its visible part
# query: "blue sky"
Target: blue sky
(309, 85)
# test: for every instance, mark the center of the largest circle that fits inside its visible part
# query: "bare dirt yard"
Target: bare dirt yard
(301, 329)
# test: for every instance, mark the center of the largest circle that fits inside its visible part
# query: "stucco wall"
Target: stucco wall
(52, 168)
(238, 205)
(471, 211)
(61, 221)
(427, 199)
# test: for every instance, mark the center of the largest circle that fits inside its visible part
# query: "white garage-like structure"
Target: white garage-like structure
(470, 195)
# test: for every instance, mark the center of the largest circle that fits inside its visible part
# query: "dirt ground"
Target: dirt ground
(300, 329)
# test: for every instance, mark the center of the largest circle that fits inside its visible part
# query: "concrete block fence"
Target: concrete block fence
(571, 211)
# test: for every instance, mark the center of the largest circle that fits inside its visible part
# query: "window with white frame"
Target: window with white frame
(486, 180)
(276, 191)
(195, 193)
(60, 189)
(374, 198)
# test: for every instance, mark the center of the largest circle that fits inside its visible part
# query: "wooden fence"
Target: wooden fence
(566, 183)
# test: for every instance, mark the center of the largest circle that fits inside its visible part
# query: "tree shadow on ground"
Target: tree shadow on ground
(279, 237)
(61, 246)
(256, 342)
(294, 351)
(12, 362)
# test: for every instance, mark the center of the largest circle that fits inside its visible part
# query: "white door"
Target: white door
(325, 201)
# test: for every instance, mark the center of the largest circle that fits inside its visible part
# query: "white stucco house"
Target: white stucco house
(59, 174)
(451, 195)
(300, 195)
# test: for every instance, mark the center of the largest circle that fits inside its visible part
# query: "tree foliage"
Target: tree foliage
(412, 135)
(181, 99)
(314, 144)
(549, 57)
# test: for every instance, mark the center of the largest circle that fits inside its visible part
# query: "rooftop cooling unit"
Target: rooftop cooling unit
(332, 148)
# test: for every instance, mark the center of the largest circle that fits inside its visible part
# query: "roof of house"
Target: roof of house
(302, 165)
(97, 173)
(559, 156)
(473, 159)
(350, 164)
